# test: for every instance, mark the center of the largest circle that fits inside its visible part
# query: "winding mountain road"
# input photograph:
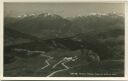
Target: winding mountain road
(51, 74)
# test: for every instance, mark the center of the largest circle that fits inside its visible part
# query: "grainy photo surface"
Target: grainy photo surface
(63, 39)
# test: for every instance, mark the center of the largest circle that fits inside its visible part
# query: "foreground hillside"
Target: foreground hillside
(31, 67)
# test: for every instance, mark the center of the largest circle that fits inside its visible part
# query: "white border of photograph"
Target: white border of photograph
(64, 78)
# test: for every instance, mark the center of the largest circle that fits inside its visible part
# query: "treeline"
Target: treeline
(104, 34)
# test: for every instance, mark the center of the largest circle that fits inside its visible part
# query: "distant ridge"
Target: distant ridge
(13, 37)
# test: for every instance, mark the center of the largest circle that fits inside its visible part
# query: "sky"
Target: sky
(62, 9)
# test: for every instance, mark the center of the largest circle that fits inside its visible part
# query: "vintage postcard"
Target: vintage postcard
(75, 40)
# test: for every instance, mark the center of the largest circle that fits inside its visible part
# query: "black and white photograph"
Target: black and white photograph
(45, 39)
